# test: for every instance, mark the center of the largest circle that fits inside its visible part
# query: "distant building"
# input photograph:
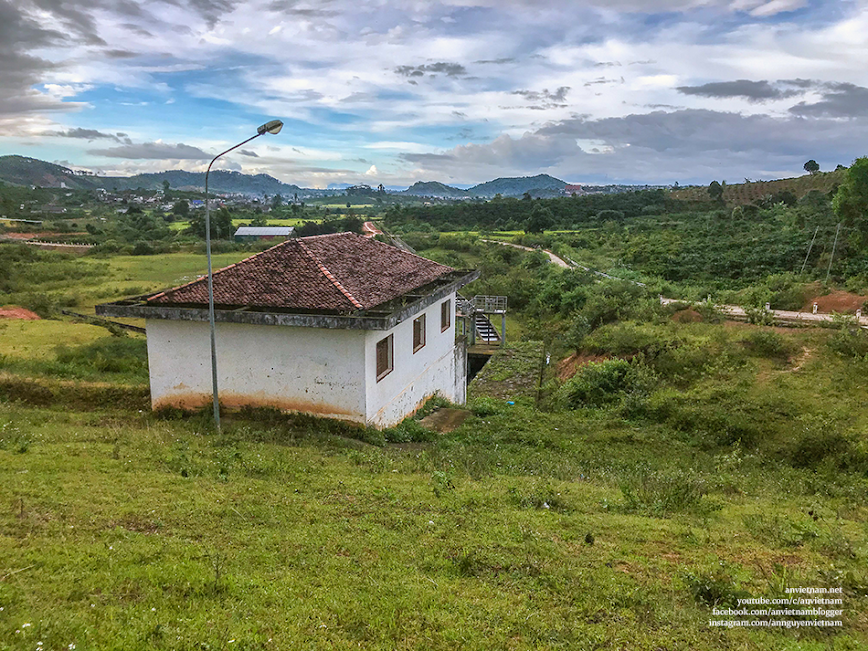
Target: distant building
(253, 233)
(573, 189)
(338, 325)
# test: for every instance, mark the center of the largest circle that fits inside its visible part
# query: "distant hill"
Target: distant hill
(747, 193)
(20, 170)
(539, 185)
(434, 189)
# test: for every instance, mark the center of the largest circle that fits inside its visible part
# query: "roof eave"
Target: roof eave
(381, 317)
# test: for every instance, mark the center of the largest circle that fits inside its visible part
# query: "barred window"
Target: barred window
(385, 361)
(418, 333)
(445, 315)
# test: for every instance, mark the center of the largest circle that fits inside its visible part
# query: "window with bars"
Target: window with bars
(385, 357)
(418, 333)
(445, 315)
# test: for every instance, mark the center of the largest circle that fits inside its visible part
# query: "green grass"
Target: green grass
(289, 221)
(739, 469)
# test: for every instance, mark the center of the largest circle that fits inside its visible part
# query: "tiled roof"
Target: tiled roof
(343, 272)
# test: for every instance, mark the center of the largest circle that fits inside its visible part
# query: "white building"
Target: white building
(335, 325)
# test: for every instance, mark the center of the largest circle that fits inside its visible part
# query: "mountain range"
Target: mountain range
(20, 170)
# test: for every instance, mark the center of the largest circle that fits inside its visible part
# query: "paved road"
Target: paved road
(555, 259)
(736, 312)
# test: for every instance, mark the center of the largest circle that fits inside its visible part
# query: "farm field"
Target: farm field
(291, 221)
(748, 192)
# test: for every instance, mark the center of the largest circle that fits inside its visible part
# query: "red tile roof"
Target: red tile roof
(343, 272)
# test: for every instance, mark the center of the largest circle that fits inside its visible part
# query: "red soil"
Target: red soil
(838, 301)
(568, 367)
(15, 312)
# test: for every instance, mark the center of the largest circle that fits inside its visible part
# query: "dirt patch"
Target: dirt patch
(687, 316)
(15, 312)
(445, 420)
(838, 301)
(568, 367)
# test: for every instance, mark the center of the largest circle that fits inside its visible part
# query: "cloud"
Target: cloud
(753, 91)
(557, 97)
(154, 150)
(433, 69)
(839, 101)
(247, 152)
(87, 134)
(689, 145)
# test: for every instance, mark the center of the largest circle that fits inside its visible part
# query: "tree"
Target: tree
(166, 186)
(812, 167)
(715, 191)
(851, 200)
(276, 201)
(540, 219)
(221, 224)
(181, 208)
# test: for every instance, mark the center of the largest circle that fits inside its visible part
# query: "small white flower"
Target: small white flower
(25, 625)
(546, 505)
(231, 641)
(71, 646)
(153, 610)
(430, 521)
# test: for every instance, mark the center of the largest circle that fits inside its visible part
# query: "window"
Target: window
(418, 333)
(384, 357)
(445, 315)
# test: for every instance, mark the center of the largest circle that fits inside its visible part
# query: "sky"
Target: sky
(457, 91)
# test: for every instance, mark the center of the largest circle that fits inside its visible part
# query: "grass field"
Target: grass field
(290, 221)
(738, 469)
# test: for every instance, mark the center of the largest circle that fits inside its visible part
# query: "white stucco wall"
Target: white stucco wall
(326, 372)
(315, 370)
(415, 376)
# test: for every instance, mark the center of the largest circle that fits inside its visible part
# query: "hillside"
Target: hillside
(434, 189)
(517, 186)
(20, 170)
(747, 193)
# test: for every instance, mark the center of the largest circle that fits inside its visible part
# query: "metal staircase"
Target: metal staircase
(477, 310)
(485, 332)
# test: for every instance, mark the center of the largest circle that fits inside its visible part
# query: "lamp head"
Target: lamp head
(274, 126)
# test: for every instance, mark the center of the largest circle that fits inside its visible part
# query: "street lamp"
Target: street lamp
(274, 126)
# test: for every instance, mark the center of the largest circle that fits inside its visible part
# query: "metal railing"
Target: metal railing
(489, 304)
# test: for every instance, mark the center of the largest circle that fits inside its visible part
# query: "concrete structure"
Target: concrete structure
(253, 233)
(336, 325)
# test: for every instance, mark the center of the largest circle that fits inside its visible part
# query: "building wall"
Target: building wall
(315, 370)
(326, 372)
(437, 367)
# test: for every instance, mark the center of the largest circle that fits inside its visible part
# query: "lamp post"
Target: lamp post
(274, 126)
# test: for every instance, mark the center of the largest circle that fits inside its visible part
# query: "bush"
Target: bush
(143, 248)
(849, 340)
(601, 383)
(716, 587)
(768, 343)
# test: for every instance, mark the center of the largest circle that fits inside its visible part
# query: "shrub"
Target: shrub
(143, 248)
(716, 587)
(768, 343)
(849, 340)
(601, 383)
